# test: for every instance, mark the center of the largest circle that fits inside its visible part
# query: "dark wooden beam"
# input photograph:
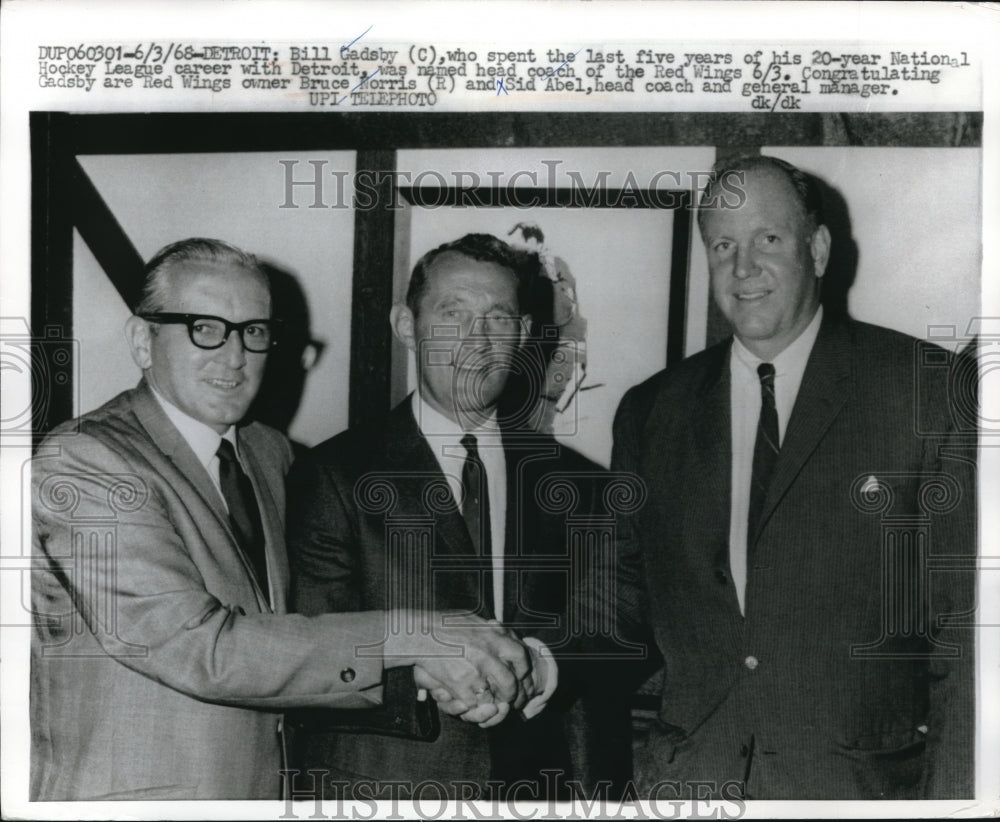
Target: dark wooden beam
(53, 354)
(371, 296)
(105, 237)
(680, 259)
(302, 131)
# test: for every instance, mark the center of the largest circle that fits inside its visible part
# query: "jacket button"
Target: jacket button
(720, 575)
(744, 750)
(347, 675)
(751, 662)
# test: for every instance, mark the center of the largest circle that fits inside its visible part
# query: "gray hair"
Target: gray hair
(156, 285)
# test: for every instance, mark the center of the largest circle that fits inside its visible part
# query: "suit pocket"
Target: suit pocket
(664, 744)
(668, 734)
(890, 765)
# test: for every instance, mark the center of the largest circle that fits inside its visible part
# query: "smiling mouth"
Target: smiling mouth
(227, 385)
(752, 296)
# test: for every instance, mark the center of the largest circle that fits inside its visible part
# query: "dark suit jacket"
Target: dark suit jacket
(372, 524)
(840, 683)
(159, 670)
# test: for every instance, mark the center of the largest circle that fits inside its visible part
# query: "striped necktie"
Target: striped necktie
(765, 450)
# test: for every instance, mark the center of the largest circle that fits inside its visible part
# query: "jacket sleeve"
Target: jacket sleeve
(114, 554)
(324, 546)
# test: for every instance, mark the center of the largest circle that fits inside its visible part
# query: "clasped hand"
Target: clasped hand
(490, 709)
(475, 669)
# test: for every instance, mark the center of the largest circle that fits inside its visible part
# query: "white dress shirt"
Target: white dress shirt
(204, 441)
(789, 366)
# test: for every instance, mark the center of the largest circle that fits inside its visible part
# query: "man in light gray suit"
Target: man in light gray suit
(162, 655)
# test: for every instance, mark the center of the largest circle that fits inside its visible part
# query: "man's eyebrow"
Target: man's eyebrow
(503, 306)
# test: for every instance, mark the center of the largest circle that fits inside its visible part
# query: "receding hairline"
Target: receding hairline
(456, 253)
(192, 270)
(763, 171)
(213, 267)
(800, 187)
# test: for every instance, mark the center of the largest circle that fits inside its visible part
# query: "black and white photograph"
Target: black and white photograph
(606, 431)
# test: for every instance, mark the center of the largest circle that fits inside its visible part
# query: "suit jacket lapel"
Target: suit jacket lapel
(409, 452)
(524, 521)
(822, 394)
(271, 519)
(170, 441)
(513, 544)
(714, 439)
(713, 435)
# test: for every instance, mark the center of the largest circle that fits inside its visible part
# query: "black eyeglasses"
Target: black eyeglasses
(210, 332)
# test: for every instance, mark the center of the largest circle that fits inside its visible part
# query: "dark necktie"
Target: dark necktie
(243, 511)
(765, 449)
(476, 513)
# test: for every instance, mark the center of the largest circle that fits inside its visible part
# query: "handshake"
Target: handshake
(473, 668)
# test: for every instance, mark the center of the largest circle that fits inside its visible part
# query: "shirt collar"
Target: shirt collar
(792, 359)
(433, 423)
(202, 439)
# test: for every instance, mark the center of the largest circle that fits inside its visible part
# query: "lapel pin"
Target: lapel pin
(871, 486)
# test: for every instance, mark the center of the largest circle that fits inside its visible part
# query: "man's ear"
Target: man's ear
(402, 321)
(140, 341)
(820, 247)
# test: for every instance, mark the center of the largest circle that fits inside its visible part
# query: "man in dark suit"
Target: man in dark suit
(441, 505)
(162, 656)
(796, 558)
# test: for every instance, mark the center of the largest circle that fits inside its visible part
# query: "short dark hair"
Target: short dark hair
(484, 248)
(156, 285)
(806, 187)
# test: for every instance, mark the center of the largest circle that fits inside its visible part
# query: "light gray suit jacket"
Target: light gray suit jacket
(159, 667)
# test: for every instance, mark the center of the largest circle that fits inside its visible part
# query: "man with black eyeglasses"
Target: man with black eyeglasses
(162, 653)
